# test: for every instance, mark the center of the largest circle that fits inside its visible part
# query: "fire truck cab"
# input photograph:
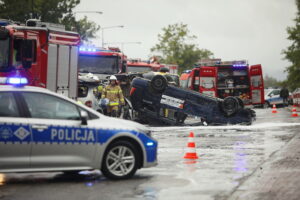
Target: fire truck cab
(232, 78)
(44, 53)
(101, 62)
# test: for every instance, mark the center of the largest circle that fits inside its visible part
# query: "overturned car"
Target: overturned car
(157, 101)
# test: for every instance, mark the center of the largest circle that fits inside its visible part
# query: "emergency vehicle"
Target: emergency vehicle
(44, 131)
(101, 62)
(229, 78)
(44, 53)
(135, 66)
(173, 69)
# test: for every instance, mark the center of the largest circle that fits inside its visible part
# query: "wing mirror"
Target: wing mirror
(84, 117)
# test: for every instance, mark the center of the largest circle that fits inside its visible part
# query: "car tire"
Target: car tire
(115, 165)
(158, 83)
(230, 105)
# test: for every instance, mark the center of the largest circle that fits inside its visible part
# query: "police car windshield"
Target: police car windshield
(98, 64)
(138, 69)
(4, 52)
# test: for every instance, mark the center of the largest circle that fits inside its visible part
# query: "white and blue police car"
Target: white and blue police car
(44, 131)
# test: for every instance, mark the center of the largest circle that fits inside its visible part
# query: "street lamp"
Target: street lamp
(108, 27)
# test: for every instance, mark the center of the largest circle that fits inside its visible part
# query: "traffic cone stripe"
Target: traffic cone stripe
(191, 156)
(192, 144)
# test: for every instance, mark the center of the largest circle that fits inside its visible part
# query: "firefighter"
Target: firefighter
(114, 94)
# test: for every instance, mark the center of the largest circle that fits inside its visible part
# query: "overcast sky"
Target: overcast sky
(254, 30)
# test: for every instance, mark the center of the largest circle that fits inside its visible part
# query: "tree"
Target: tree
(53, 11)
(271, 82)
(292, 53)
(175, 47)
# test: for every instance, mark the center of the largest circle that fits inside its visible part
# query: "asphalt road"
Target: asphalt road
(260, 161)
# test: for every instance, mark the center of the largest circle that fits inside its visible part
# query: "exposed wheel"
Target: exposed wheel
(158, 83)
(230, 105)
(120, 160)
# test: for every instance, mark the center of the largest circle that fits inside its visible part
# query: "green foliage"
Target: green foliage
(54, 11)
(175, 47)
(271, 82)
(292, 53)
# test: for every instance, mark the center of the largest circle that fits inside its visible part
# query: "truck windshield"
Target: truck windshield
(138, 69)
(4, 54)
(98, 64)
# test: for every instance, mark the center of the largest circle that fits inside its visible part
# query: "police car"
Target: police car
(44, 131)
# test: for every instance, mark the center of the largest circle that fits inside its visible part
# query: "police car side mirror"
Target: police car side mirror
(84, 117)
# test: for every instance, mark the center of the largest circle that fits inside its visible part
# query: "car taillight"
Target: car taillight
(132, 91)
(88, 104)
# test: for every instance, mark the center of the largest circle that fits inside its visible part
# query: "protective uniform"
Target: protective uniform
(115, 96)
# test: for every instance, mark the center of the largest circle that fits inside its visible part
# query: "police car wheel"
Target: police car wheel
(120, 160)
(158, 83)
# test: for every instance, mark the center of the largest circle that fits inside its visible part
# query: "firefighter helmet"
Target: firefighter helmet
(113, 78)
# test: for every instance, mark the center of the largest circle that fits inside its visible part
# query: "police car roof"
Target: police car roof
(23, 88)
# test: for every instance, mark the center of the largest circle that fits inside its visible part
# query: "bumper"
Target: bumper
(150, 164)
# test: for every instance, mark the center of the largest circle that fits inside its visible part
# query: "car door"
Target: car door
(15, 135)
(59, 139)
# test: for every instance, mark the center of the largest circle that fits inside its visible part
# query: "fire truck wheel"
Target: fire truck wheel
(230, 105)
(158, 83)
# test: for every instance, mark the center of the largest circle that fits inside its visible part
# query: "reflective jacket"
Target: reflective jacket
(114, 94)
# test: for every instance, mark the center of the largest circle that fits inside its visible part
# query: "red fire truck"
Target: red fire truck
(101, 62)
(142, 66)
(232, 78)
(43, 53)
(173, 69)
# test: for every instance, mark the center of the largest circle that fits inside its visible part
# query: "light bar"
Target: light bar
(239, 65)
(17, 81)
(87, 49)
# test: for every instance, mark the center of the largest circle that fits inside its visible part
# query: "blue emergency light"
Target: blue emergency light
(239, 65)
(4, 22)
(18, 81)
(87, 49)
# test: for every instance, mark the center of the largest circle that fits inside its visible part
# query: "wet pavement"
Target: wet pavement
(260, 161)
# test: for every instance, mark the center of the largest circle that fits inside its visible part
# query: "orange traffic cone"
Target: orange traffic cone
(274, 110)
(191, 151)
(294, 111)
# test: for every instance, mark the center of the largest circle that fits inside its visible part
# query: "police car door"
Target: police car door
(59, 139)
(15, 135)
